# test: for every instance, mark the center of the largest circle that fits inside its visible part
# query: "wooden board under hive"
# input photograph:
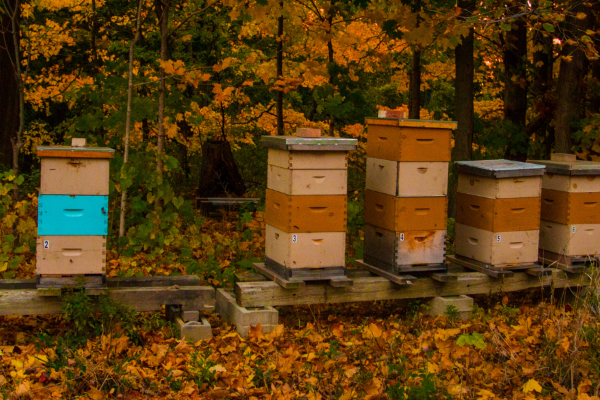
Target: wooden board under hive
(405, 213)
(409, 140)
(407, 179)
(404, 251)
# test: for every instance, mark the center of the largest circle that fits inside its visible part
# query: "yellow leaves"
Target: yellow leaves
(532, 386)
(372, 332)
(224, 65)
(485, 394)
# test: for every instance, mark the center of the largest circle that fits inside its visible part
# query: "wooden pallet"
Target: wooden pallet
(300, 281)
(390, 276)
(572, 264)
(54, 285)
(400, 269)
(499, 271)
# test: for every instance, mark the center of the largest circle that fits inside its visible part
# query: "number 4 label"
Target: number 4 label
(46, 244)
(402, 237)
(294, 238)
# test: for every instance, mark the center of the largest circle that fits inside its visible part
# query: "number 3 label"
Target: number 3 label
(294, 238)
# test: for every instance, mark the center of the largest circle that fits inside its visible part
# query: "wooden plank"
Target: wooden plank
(17, 284)
(260, 267)
(573, 265)
(538, 272)
(27, 302)
(262, 294)
(341, 282)
(480, 267)
(248, 277)
(134, 281)
(444, 277)
(397, 279)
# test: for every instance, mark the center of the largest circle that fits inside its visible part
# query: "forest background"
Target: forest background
(183, 91)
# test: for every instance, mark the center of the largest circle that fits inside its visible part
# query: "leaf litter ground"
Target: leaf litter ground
(518, 346)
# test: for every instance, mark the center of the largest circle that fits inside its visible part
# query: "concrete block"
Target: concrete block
(194, 330)
(243, 318)
(439, 305)
(187, 316)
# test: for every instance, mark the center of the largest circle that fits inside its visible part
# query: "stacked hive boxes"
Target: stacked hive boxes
(498, 211)
(73, 210)
(305, 211)
(570, 210)
(405, 197)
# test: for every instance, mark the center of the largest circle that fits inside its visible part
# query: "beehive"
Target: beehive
(570, 207)
(498, 211)
(306, 203)
(73, 210)
(405, 208)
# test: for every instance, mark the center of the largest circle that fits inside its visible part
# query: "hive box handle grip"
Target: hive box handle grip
(425, 140)
(516, 245)
(473, 240)
(422, 170)
(590, 203)
(317, 209)
(420, 239)
(474, 207)
(548, 201)
(517, 210)
(382, 138)
(378, 207)
(422, 211)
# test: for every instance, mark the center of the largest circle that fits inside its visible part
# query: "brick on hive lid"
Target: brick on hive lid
(563, 157)
(399, 114)
(78, 142)
(308, 132)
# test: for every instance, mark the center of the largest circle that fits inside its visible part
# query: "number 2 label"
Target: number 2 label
(46, 244)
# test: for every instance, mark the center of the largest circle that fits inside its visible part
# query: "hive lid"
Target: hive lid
(499, 168)
(75, 152)
(309, 144)
(412, 123)
(570, 167)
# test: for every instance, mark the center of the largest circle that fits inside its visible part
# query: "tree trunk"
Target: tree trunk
(570, 85)
(162, 11)
(128, 117)
(464, 92)
(9, 101)
(280, 126)
(330, 61)
(219, 174)
(515, 91)
(543, 105)
(414, 89)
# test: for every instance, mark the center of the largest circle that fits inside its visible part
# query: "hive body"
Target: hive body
(405, 207)
(73, 210)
